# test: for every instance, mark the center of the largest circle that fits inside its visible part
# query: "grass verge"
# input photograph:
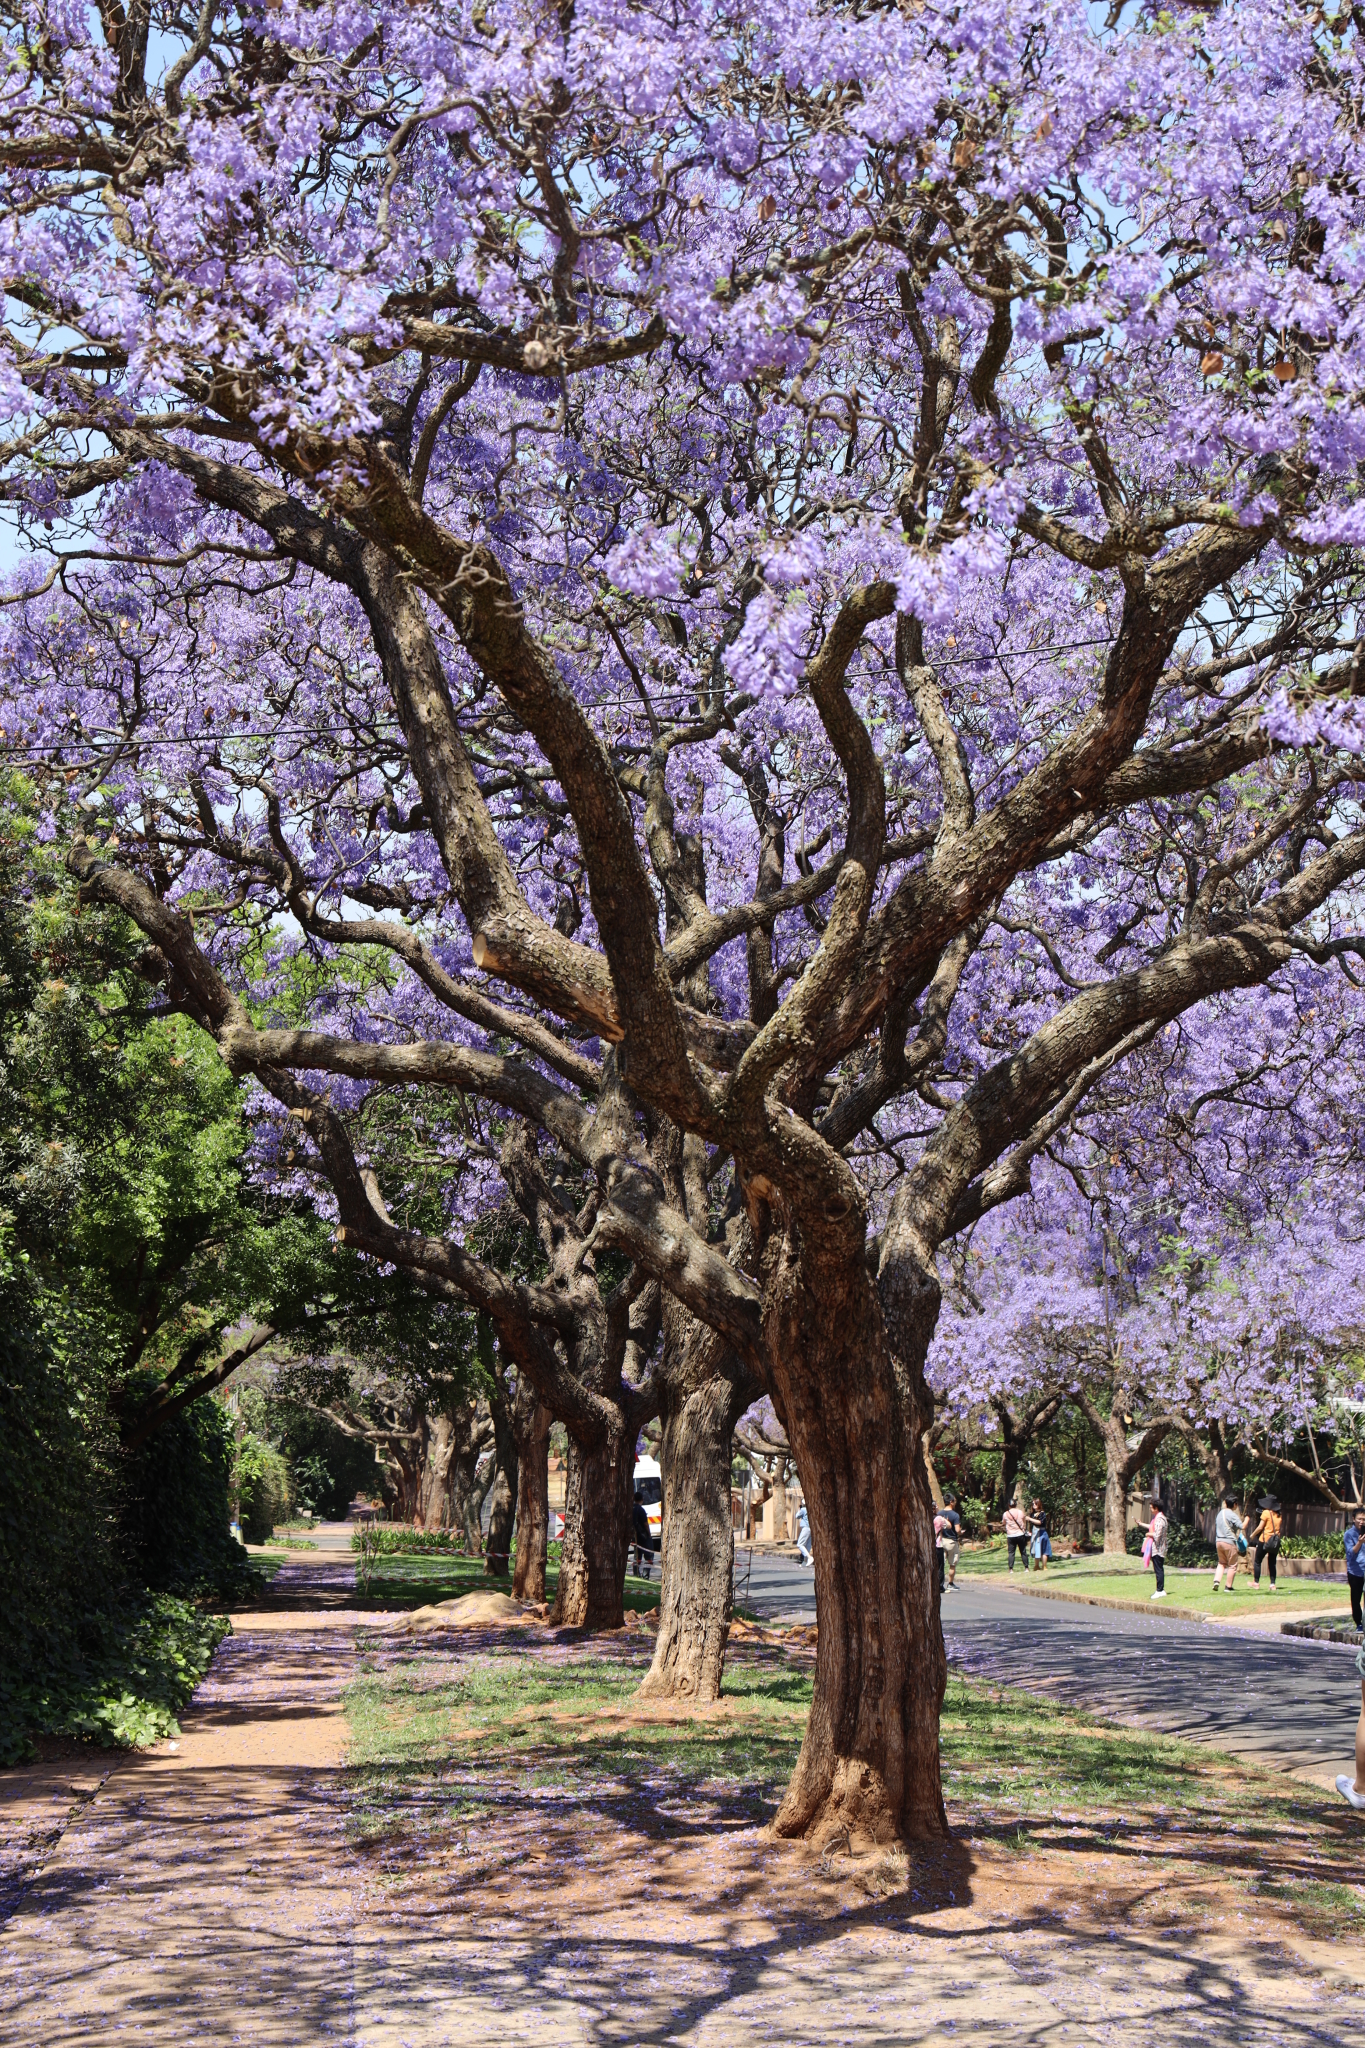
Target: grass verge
(415, 1580)
(1194, 1594)
(475, 1765)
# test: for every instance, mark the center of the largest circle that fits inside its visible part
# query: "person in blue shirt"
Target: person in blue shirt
(1355, 1566)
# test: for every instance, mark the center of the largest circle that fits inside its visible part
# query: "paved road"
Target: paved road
(1288, 1703)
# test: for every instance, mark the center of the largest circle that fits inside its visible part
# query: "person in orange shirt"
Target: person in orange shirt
(1266, 1537)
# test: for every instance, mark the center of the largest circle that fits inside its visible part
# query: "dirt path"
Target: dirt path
(202, 1894)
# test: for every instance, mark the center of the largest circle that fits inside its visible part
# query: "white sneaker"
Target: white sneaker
(1158, 1596)
(1346, 1787)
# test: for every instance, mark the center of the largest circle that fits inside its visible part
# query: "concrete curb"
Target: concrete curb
(1079, 1599)
(1322, 1632)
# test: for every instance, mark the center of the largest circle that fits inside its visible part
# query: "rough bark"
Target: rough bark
(503, 1491)
(1121, 1462)
(531, 1421)
(468, 1484)
(441, 1436)
(597, 1522)
(1017, 1432)
(868, 1772)
(704, 1393)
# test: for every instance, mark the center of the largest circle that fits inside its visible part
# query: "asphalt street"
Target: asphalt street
(1287, 1703)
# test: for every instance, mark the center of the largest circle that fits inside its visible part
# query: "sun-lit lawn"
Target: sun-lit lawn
(463, 1743)
(1127, 1578)
(1192, 1592)
(408, 1580)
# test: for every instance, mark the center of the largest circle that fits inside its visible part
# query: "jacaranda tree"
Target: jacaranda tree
(795, 567)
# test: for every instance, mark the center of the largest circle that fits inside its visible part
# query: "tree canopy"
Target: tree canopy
(795, 570)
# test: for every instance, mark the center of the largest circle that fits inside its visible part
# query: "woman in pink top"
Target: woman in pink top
(1158, 1530)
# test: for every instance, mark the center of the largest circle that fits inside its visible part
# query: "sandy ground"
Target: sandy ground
(209, 1891)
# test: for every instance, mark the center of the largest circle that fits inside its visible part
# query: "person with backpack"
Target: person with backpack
(1230, 1537)
(1266, 1537)
(1158, 1535)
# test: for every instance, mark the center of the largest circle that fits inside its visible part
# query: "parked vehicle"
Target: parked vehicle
(649, 1482)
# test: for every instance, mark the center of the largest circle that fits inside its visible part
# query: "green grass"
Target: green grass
(1193, 1592)
(419, 1737)
(459, 1747)
(411, 1580)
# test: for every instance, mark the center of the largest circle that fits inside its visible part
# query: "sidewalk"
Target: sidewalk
(200, 1895)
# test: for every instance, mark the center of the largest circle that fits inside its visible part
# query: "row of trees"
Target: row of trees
(700, 628)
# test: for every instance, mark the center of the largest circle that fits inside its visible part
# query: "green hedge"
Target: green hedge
(176, 1509)
(416, 1542)
(1314, 1546)
(119, 1681)
(261, 1477)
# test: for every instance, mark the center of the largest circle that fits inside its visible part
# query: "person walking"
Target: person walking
(1353, 1791)
(948, 1540)
(1355, 1566)
(1226, 1531)
(1041, 1544)
(1266, 1537)
(644, 1542)
(1158, 1534)
(803, 1549)
(1016, 1532)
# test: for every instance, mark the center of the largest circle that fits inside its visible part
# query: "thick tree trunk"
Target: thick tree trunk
(597, 1520)
(698, 1538)
(1118, 1473)
(531, 1420)
(433, 1500)
(504, 1487)
(868, 1771)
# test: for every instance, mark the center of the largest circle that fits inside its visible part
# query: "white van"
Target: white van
(649, 1484)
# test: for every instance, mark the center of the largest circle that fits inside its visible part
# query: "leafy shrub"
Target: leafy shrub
(973, 1513)
(1184, 1545)
(58, 1557)
(120, 1683)
(261, 1480)
(1314, 1546)
(414, 1542)
(176, 1508)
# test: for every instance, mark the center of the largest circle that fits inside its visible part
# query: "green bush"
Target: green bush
(120, 1681)
(261, 1478)
(414, 1542)
(1314, 1546)
(58, 1554)
(1184, 1545)
(176, 1508)
(973, 1513)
